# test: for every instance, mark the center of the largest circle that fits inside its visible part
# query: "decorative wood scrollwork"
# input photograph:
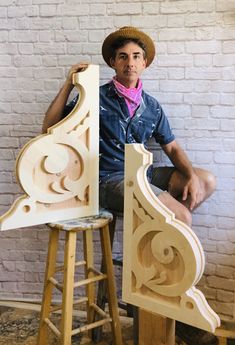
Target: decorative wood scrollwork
(58, 171)
(163, 258)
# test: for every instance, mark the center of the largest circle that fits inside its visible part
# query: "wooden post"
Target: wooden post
(155, 329)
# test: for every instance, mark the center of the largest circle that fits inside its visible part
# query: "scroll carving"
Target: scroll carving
(58, 171)
(163, 258)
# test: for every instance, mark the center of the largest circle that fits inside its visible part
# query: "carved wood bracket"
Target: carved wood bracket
(58, 171)
(163, 258)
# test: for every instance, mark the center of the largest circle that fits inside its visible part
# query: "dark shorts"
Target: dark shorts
(111, 193)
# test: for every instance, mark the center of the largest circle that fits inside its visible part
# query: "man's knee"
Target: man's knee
(209, 181)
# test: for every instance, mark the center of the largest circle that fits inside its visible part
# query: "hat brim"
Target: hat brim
(129, 33)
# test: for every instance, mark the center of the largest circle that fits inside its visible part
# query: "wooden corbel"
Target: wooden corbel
(163, 258)
(58, 171)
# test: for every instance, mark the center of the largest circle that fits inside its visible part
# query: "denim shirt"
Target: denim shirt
(117, 128)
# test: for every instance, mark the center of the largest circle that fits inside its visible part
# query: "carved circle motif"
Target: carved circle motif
(51, 185)
(170, 251)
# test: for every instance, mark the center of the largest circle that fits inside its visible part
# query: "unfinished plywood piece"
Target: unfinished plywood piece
(58, 171)
(163, 258)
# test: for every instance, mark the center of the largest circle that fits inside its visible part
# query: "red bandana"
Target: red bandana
(131, 95)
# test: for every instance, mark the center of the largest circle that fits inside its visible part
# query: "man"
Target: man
(129, 115)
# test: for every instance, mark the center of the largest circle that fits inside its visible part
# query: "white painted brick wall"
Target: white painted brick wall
(193, 77)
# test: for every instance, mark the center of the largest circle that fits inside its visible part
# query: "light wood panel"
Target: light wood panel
(58, 171)
(163, 258)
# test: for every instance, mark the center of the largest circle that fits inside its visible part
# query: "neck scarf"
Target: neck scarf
(131, 95)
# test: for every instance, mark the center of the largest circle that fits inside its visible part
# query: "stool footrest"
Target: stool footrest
(78, 263)
(56, 284)
(99, 311)
(52, 327)
(91, 280)
(91, 326)
(59, 306)
(55, 308)
(105, 319)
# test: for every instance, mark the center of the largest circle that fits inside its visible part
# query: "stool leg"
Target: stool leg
(68, 287)
(89, 258)
(112, 295)
(48, 286)
(102, 286)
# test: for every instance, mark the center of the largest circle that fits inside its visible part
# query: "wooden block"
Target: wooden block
(58, 171)
(222, 341)
(155, 329)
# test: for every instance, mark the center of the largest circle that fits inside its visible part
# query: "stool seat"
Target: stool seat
(84, 223)
(96, 317)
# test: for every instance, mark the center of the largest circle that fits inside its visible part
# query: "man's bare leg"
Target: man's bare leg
(181, 212)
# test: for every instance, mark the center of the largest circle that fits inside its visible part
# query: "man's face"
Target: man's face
(129, 64)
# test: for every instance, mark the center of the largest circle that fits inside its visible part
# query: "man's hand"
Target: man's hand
(55, 111)
(74, 69)
(189, 185)
(193, 190)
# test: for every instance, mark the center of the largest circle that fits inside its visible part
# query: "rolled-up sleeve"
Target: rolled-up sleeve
(162, 132)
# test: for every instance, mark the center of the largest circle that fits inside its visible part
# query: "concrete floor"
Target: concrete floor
(20, 327)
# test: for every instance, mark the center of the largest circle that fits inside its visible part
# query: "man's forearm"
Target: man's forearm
(182, 163)
(179, 159)
(55, 111)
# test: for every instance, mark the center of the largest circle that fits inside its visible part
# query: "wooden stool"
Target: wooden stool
(87, 225)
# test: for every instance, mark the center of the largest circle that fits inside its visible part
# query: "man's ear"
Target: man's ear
(145, 63)
(112, 63)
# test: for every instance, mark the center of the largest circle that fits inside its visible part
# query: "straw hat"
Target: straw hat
(128, 32)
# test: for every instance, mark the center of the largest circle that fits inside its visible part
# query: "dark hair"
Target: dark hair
(122, 41)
